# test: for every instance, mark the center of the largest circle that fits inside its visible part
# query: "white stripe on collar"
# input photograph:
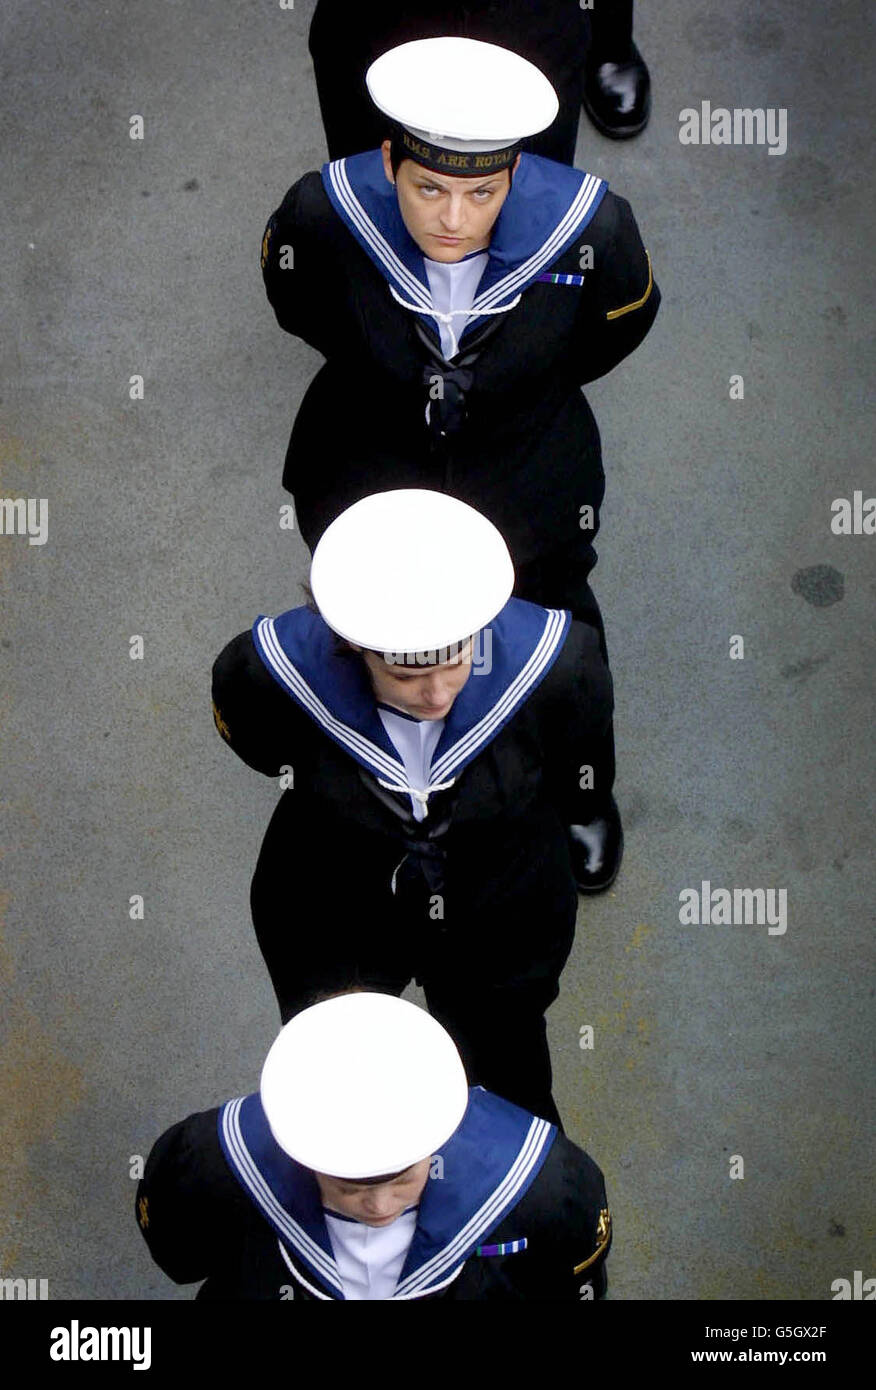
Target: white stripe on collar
(437, 1272)
(549, 249)
(485, 1219)
(460, 752)
(265, 1199)
(382, 248)
(391, 768)
(514, 280)
(554, 630)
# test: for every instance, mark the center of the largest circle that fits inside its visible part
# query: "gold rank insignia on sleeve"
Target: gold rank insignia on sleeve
(143, 1212)
(603, 1236)
(220, 723)
(637, 303)
(266, 242)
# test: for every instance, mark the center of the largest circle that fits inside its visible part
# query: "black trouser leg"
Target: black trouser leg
(611, 24)
(495, 969)
(559, 579)
(351, 121)
(323, 922)
(559, 140)
(501, 1036)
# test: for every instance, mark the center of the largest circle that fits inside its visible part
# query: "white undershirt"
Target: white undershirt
(415, 740)
(454, 287)
(370, 1258)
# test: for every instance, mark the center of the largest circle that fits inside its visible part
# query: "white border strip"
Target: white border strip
(264, 1197)
(489, 1214)
(573, 218)
(292, 678)
(376, 240)
(554, 627)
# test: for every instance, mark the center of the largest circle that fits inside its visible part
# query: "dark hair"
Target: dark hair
(341, 647)
(396, 152)
(321, 996)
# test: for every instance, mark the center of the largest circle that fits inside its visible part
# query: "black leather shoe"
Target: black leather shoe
(617, 96)
(597, 849)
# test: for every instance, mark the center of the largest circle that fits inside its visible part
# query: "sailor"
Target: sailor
(462, 293)
(434, 738)
(364, 1168)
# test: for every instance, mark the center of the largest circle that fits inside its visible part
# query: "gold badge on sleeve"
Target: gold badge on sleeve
(220, 723)
(637, 303)
(603, 1236)
(266, 242)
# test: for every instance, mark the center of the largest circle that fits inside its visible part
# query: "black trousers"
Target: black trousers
(611, 23)
(488, 954)
(560, 579)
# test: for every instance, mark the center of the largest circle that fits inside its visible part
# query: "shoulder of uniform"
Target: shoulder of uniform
(312, 199)
(182, 1158)
(191, 1210)
(568, 1208)
(598, 234)
(304, 208)
(578, 658)
(307, 217)
(583, 641)
(304, 191)
(190, 1142)
(574, 1171)
(613, 212)
(240, 677)
(238, 660)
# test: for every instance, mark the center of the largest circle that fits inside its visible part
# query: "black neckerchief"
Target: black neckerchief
(447, 412)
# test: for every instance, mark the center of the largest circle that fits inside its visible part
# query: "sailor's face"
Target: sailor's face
(423, 692)
(375, 1204)
(447, 217)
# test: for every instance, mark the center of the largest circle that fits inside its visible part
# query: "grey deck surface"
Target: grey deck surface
(711, 1041)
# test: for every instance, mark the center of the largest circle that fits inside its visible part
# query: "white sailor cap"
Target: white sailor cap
(462, 106)
(363, 1085)
(410, 571)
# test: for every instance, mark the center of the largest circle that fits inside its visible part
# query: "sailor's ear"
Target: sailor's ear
(386, 151)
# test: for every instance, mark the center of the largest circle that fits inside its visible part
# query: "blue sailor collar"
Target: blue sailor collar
(548, 207)
(300, 651)
(485, 1169)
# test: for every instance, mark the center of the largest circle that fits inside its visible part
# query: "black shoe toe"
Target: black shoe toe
(597, 849)
(617, 96)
